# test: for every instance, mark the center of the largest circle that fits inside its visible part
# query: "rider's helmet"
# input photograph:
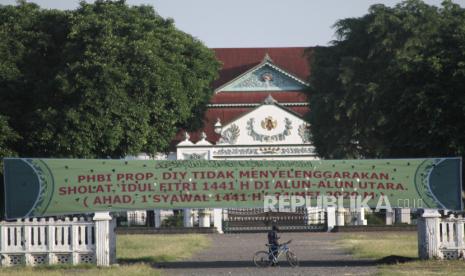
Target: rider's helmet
(274, 227)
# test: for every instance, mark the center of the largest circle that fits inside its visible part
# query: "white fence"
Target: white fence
(48, 241)
(441, 237)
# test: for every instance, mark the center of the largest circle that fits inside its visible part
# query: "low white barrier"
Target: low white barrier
(48, 241)
(441, 237)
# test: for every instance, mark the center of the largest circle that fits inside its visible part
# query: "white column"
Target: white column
(218, 220)
(340, 212)
(361, 217)
(459, 232)
(188, 219)
(74, 242)
(321, 215)
(51, 240)
(157, 218)
(330, 218)
(3, 240)
(113, 241)
(27, 242)
(402, 215)
(428, 235)
(204, 218)
(312, 215)
(389, 217)
(102, 238)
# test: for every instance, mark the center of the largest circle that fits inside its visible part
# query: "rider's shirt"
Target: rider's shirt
(273, 237)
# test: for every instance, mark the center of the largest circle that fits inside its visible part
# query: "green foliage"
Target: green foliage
(173, 221)
(7, 137)
(392, 84)
(105, 80)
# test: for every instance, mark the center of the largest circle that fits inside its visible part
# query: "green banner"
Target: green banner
(44, 187)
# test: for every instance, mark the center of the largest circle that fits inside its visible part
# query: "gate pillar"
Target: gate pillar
(330, 218)
(188, 218)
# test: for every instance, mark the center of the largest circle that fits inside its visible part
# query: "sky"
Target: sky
(252, 23)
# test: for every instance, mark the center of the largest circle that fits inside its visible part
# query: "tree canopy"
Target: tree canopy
(104, 80)
(392, 84)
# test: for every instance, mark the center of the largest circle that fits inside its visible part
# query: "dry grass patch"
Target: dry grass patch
(381, 244)
(422, 268)
(126, 270)
(137, 255)
(159, 248)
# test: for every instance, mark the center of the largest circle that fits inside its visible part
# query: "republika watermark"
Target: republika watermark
(291, 203)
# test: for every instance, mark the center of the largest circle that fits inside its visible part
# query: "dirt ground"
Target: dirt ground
(231, 254)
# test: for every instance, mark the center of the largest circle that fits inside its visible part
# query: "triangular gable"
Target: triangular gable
(266, 76)
(269, 123)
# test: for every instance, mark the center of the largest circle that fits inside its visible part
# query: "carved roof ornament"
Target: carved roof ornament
(267, 58)
(187, 137)
(203, 136)
(269, 100)
(218, 126)
(304, 133)
(230, 135)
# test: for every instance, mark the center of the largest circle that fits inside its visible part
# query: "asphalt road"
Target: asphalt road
(231, 254)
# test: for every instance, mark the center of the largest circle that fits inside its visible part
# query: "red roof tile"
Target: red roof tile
(238, 60)
(259, 97)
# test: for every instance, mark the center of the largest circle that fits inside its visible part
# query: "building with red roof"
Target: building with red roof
(257, 112)
(247, 78)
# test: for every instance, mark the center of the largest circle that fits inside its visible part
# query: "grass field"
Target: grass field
(382, 245)
(376, 245)
(137, 255)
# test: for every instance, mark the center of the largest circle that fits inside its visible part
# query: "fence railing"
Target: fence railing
(441, 237)
(49, 241)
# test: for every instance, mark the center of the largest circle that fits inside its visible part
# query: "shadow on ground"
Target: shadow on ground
(394, 259)
(239, 264)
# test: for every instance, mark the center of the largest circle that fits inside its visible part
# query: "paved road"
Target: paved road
(231, 254)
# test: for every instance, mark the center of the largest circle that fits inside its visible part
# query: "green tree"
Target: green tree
(7, 137)
(105, 80)
(392, 84)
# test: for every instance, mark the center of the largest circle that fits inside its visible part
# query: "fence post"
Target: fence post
(204, 217)
(113, 241)
(389, 217)
(331, 218)
(429, 235)
(102, 238)
(51, 240)
(402, 215)
(218, 220)
(157, 218)
(460, 235)
(74, 242)
(188, 219)
(26, 241)
(340, 212)
(3, 243)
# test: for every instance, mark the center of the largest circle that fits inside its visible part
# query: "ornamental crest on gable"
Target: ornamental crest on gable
(269, 123)
(269, 138)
